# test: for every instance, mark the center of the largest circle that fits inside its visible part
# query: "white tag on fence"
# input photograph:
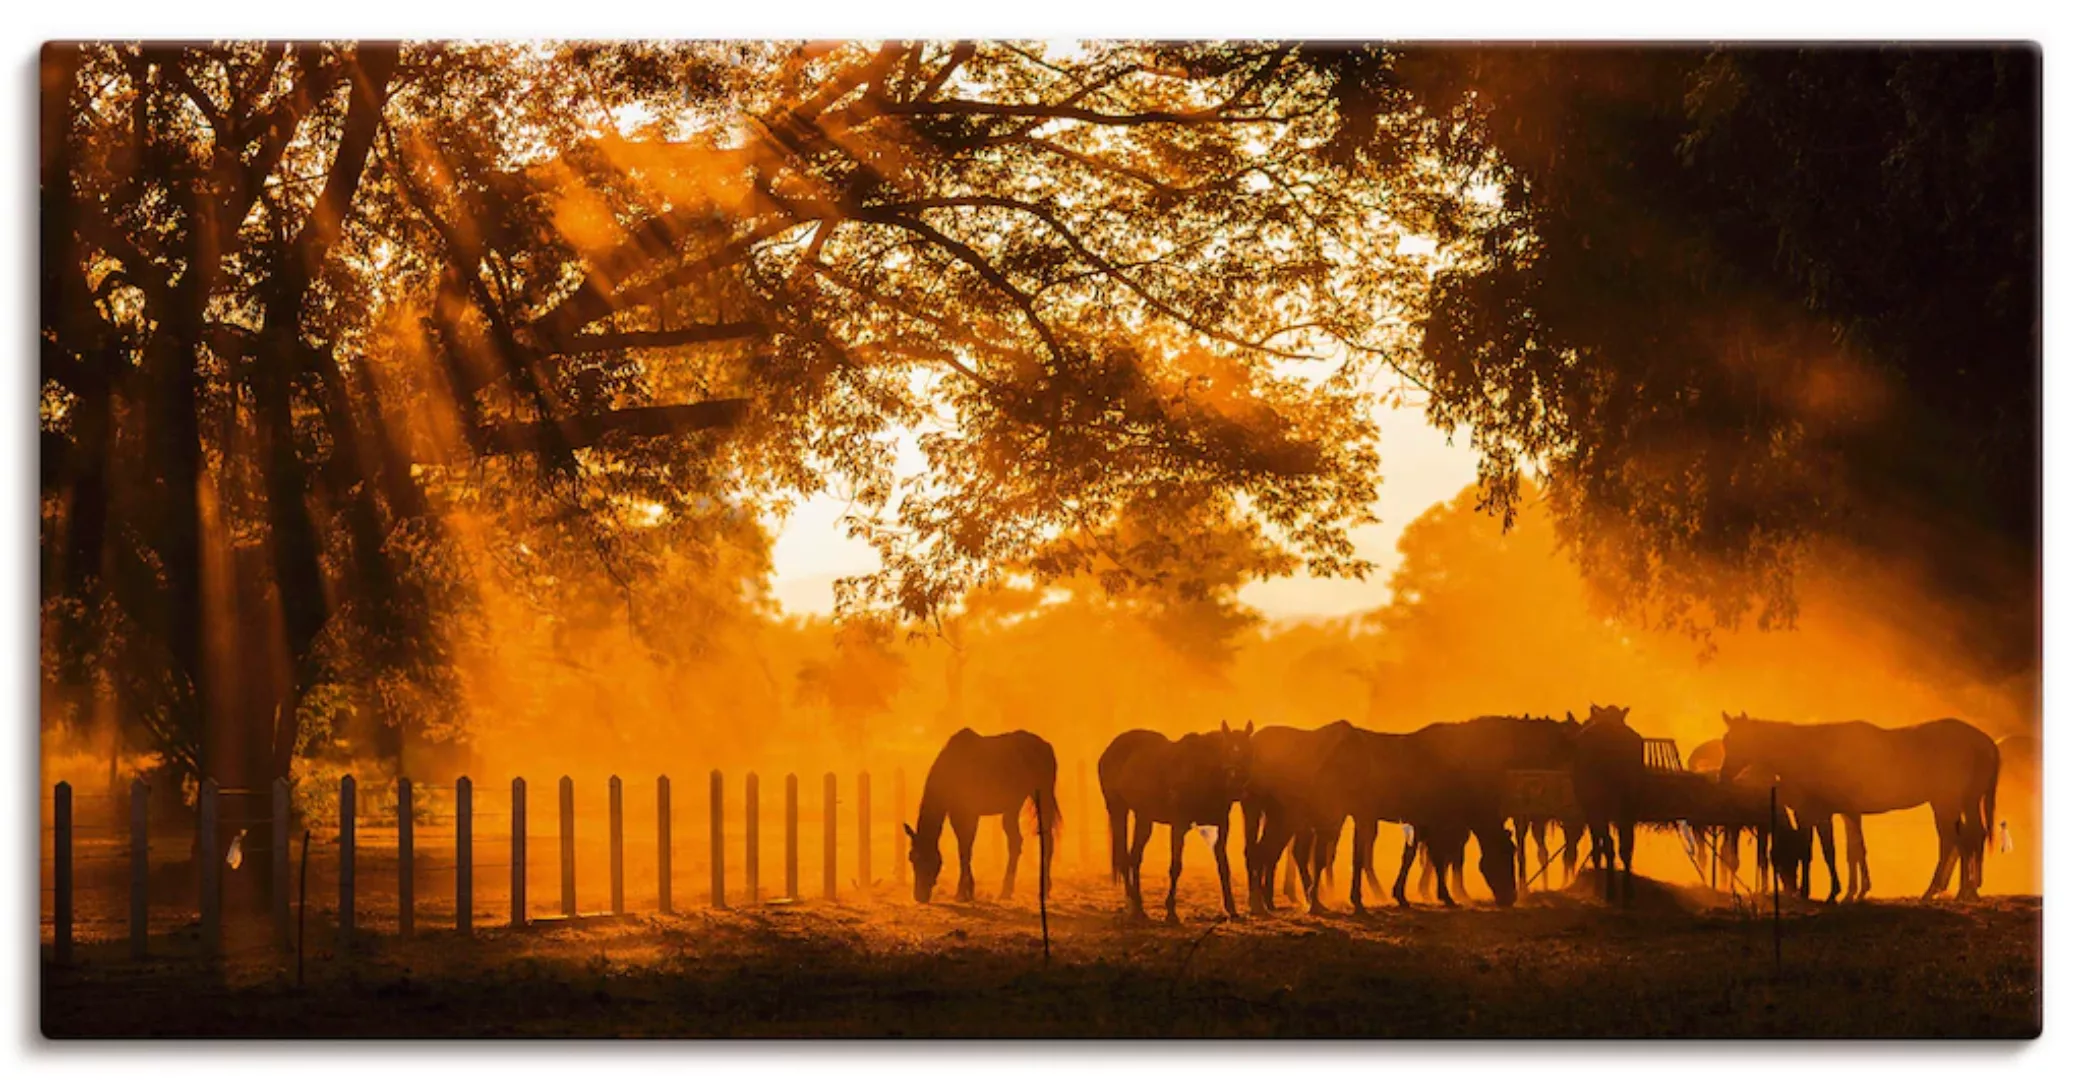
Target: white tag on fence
(2003, 830)
(237, 853)
(1410, 835)
(1207, 833)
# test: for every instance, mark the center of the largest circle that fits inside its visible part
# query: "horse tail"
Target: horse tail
(1989, 802)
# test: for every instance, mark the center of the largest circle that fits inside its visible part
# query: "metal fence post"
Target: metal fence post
(567, 848)
(831, 836)
(867, 858)
(206, 850)
(615, 844)
(61, 872)
(518, 894)
(404, 857)
(716, 898)
(465, 903)
(665, 845)
(752, 839)
(788, 834)
(140, 867)
(278, 849)
(346, 860)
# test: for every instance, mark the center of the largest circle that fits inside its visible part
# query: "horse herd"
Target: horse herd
(1501, 780)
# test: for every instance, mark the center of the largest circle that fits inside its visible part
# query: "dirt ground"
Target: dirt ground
(1678, 963)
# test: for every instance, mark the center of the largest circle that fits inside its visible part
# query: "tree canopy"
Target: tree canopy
(346, 345)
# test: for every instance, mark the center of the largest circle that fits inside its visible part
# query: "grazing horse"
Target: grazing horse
(1859, 768)
(1182, 783)
(1285, 763)
(1607, 769)
(1708, 805)
(1441, 780)
(977, 775)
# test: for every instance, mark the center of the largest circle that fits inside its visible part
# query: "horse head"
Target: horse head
(1497, 864)
(1602, 715)
(925, 866)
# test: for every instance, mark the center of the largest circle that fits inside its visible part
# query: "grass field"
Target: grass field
(1560, 964)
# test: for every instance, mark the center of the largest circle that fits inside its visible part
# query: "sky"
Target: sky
(1419, 469)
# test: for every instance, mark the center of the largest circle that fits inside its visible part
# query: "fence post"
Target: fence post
(752, 839)
(615, 844)
(897, 845)
(831, 836)
(519, 891)
(567, 848)
(867, 859)
(788, 833)
(665, 845)
(404, 857)
(346, 860)
(465, 904)
(278, 846)
(206, 849)
(61, 871)
(140, 866)
(716, 839)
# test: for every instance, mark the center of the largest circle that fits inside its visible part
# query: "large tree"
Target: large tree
(305, 305)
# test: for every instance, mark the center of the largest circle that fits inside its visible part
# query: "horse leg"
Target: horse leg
(1572, 841)
(1321, 845)
(1012, 854)
(1973, 836)
(1363, 845)
(965, 846)
(1288, 886)
(1260, 854)
(1826, 838)
(1855, 858)
(1134, 875)
(1943, 822)
(1171, 899)
(1222, 866)
(1441, 865)
(1627, 862)
(1540, 843)
(1519, 829)
(1373, 883)
(1410, 851)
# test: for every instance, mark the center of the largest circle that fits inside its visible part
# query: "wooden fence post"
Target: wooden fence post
(665, 845)
(61, 871)
(206, 850)
(519, 891)
(867, 858)
(466, 904)
(567, 848)
(615, 844)
(346, 860)
(831, 836)
(404, 857)
(752, 839)
(897, 845)
(788, 835)
(278, 848)
(140, 866)
(716, 839)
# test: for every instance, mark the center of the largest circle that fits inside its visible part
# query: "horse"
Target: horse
(1285, 762)
(1607, 772)
(1183, 782)
(974, 776)
(1859, 768)
(1440, 780)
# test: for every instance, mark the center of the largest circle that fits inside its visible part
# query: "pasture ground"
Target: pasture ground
(1558, 965)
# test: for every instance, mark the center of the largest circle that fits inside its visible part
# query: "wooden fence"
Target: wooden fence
(414, 815)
